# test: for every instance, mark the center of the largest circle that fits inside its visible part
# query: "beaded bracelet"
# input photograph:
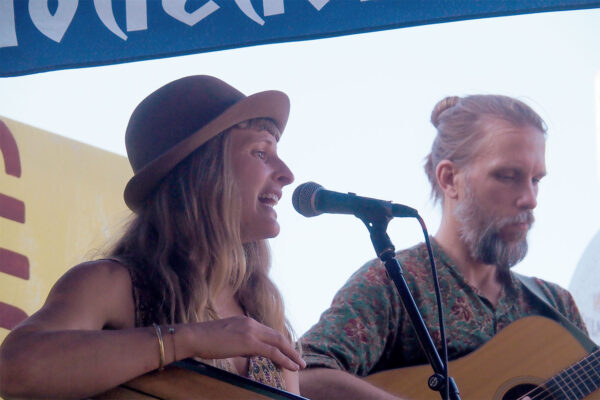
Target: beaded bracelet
(172, 333)
(161, 348)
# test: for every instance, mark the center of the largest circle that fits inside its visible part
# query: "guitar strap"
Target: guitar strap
(534, 288)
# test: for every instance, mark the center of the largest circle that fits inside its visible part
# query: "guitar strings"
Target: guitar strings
(575, 379)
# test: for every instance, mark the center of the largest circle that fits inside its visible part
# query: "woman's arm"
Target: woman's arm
(331, 384)
(83, 340)
(62, 349)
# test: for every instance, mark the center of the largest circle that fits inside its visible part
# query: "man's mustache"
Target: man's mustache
(522, 217)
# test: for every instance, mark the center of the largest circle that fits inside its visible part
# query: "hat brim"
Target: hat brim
(271, 104)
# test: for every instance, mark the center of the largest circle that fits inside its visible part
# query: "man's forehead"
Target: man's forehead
(506, 140)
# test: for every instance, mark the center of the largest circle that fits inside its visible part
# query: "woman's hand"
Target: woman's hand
(240, 336)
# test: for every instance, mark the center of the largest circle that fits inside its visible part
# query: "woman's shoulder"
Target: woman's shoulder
(101, 266)
(100, 289)
(94, 273)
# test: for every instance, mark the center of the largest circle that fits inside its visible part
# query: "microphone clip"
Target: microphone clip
(377, 224)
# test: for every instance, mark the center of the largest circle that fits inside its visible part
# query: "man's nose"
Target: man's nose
(527, 199)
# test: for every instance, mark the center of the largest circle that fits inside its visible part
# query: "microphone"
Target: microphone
(311, 199)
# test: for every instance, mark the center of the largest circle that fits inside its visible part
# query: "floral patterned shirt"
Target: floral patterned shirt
(367, 329)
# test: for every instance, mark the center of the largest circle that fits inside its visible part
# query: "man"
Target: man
(485, 166)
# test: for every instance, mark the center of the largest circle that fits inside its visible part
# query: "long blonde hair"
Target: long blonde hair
(185, 244)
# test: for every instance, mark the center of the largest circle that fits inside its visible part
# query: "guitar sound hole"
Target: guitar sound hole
(519, 391)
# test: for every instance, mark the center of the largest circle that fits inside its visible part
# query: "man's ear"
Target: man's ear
(446, 174)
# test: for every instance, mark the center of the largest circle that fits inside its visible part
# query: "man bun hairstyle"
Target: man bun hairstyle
(441, 106)
(461, 124)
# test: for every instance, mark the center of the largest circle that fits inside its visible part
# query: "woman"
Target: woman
(189, 276)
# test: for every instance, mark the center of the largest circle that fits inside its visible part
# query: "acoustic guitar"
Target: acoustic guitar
(189, 379)
(533, 356)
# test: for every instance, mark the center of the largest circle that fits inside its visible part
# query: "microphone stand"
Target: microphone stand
(377, 222)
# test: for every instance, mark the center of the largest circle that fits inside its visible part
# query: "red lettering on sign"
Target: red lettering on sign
(14, 264)
(10, 316)
(12, 208)
(10, 262)
(10, 152)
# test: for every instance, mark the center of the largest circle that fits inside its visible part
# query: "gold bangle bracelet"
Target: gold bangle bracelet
(161, 348)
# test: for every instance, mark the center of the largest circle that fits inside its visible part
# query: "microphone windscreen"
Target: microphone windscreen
(303, 199)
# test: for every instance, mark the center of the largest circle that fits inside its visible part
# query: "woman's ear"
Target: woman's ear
(446, 174)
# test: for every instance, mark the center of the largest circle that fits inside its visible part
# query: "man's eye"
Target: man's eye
(260, 154)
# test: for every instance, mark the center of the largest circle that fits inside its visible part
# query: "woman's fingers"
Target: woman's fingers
(279, 358)
(283, 350)
(244, 336)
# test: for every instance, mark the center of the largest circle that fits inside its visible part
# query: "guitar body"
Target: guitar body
(188, 379)
(178, 384)
(526, 353)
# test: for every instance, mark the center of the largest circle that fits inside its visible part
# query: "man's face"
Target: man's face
(496, 201)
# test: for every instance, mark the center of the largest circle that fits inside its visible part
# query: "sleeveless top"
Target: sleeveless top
(260, 369)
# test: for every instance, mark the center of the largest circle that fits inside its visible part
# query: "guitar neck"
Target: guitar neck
(575, 382)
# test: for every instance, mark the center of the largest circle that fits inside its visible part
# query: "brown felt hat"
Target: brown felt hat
(179, 117)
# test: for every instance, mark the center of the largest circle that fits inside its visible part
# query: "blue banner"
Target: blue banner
(43, 35)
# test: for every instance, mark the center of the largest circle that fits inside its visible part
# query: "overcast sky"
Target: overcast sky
(360, 123)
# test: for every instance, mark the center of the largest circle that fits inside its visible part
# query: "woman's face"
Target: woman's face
(260, 175)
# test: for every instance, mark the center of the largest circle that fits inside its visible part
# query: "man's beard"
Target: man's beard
(480, 231)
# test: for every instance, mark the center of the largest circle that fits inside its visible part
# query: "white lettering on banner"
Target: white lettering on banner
(52, 26)
(105, 13)
(318, 4)
(8, 34)
(176, 9)
(250, 12)
(273, 7)
(137, 15)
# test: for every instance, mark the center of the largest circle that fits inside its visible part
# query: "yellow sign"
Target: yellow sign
(60, 202)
